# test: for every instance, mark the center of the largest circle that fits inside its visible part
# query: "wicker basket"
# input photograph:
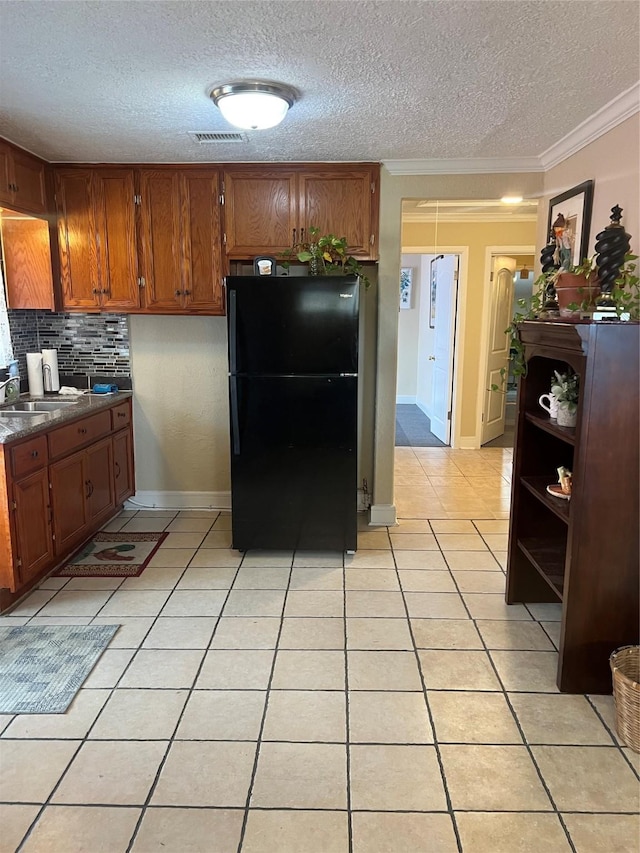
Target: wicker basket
(625, 666)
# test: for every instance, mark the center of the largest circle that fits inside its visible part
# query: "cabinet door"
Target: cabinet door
(99, 469)
(34, 543)
(123, 465)
(77, 238)
(116, 229)
(340, 202)
(69, 495)
(202, 255)
(6, 191)
(29, 182)
(26, 250)
(160, 240)
(260, 212)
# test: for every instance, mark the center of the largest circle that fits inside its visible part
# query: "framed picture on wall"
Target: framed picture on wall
(406, 285)
(432, 294)
(569, 223)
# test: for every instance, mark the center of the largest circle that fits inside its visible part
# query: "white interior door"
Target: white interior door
(443, 316)
(501, 302)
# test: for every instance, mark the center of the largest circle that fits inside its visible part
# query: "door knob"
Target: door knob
(432, 358)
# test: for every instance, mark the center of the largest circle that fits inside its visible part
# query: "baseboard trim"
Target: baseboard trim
(383, 515)
(180, 500)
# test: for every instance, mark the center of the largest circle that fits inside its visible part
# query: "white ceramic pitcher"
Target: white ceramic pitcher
(551, 405)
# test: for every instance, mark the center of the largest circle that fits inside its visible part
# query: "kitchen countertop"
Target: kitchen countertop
(22, 426)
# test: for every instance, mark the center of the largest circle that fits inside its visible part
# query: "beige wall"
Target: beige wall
(409, 332)
(476, 236)
(181, 412)
(613, 163)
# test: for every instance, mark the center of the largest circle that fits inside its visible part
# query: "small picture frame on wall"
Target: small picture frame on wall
(406, 285)
(432, 294)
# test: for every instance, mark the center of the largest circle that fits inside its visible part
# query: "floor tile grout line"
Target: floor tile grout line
(436, 745)
(618, 744)
(528, 747)
(256, 758)
(86, 735)
(190, 691)
(347, 709)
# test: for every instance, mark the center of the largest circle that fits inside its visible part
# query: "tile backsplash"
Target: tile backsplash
(88, 345)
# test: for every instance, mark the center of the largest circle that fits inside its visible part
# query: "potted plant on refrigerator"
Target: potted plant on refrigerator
(325, 254)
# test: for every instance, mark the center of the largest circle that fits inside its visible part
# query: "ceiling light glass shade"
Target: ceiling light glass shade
(511, 199)
(253, 106)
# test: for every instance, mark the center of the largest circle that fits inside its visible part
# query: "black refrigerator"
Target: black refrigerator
(293, 402)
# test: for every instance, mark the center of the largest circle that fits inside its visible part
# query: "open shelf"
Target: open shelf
(538, 487)
(567, 434)
(582, 552)
(548, 557)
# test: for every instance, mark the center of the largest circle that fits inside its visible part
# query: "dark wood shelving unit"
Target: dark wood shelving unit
(582, 552)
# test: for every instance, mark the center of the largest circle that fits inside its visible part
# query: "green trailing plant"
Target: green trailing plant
(626, 290)
(325, 254)
(528, 309)
(565, 388)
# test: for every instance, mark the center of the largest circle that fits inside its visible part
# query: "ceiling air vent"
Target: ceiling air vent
(207, 137)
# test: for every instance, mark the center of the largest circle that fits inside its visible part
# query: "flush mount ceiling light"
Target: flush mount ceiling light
(511, 199)
(253, 105)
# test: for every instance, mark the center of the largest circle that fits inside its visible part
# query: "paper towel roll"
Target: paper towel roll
(34, 374)
(50, 370)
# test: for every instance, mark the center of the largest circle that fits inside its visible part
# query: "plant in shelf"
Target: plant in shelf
(325, 254)
(565, 388)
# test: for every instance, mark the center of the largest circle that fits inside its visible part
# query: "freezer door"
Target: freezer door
(294, 462)
(284, 326)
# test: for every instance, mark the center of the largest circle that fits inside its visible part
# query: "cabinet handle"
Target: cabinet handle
(82, 430)
(87, 494)
(121, 415)
(106, 292)
(295, 231)
(178, 293)
(302, 235)
(187, 292)
(34, 454)
(117, 466)
(95, 290)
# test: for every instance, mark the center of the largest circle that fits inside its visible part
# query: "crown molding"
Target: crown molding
(470, 166)
(612, 114)
(416, 216)
(605, 119)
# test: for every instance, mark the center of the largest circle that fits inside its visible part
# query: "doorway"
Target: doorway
(510, 280)
(426, 349)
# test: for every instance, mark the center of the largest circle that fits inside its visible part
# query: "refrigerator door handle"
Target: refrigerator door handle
(235, 423)
(232, 331)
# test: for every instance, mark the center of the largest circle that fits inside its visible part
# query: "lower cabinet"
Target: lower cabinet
(60, 487)
(32, 525)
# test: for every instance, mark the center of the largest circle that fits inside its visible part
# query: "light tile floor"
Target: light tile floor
(299, 702)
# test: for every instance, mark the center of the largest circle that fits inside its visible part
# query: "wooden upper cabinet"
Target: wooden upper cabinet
(260, 211)
(26, 249)
(160, 239)
(78, 238)
(266, 210)
(22, 180)
(115, 219)
(341, 202)
(201, 244)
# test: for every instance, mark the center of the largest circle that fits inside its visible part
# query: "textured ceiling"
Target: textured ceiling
(125, 81)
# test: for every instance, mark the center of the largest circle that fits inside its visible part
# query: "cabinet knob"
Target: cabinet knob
(82, 430)
(34, 454)
(121, 415)
(178, 293)
(187, 292)
(95, 290)
(106, 292)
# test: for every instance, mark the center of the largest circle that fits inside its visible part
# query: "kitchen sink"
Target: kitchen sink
(37, 406)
